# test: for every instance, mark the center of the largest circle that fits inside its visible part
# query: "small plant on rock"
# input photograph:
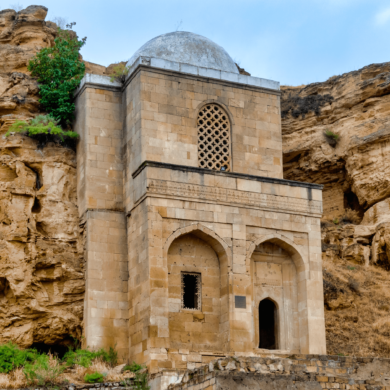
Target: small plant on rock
(331, 137)
(119, 73)
(44, 128)
(133, 367)
(139, 382)
(351, 216)
(111, 357)
(96, 377)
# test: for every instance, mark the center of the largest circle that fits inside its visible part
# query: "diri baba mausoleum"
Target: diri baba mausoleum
(196, 246)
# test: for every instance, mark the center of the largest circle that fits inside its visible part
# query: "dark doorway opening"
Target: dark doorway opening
(268, 324)
(191, 290)
(55, 349)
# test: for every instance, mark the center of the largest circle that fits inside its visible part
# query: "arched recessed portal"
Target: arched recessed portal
(199, 253)
(275, 290)
(194, 295)
(268, 324)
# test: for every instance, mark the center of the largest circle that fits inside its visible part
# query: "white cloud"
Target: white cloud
(382, 17)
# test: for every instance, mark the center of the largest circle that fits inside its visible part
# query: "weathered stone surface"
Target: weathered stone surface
(356, 171)
(306, 372)
(22, 34)
(41, 262)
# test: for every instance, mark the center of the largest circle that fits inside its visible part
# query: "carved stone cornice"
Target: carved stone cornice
(175, 190)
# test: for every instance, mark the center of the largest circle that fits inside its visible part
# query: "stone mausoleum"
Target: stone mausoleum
(196, 246)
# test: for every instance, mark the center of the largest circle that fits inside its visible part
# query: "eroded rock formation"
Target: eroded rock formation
(22, 34)
(41, 262)
(355, 106)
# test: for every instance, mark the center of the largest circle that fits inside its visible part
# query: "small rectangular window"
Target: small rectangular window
(190, 291)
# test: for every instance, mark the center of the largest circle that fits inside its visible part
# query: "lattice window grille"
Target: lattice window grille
(214, 138)
(197, 290)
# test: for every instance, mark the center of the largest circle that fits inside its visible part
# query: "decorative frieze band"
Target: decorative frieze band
(234, 197)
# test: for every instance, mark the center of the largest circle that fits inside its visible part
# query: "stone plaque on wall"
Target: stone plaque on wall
(240, 301)
(269, 274)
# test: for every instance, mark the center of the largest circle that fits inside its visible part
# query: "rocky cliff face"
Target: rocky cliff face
(22, 34)
(41, 262)
(355, 171)
(356, 106)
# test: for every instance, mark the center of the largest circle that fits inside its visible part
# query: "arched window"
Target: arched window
(268, 322)
(214, 138)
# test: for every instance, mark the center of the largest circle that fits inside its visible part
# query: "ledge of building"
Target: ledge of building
(97, 81)
(263, 179)
(104, 82)
(204, 72)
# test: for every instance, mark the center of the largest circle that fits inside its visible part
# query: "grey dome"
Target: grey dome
(188, 48)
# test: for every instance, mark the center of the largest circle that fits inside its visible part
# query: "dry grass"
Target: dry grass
(362, 326)
(16, 379)
(13, 380)
(76, 375)
(351, 216)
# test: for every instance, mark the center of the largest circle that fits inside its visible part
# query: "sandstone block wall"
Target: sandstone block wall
(165, 107)
(100, 197)
(295, 371)
(233, 226)
(175, 213)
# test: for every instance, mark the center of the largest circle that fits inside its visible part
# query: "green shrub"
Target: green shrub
(111, 357)
(133, 367)
(12, 357)
(59, 70)
(84, 357)
(42, 371)
(119, 73)
(44, 128)
(141, 381)
(96, 377)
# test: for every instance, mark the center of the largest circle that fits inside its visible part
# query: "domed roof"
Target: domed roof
(188, 48)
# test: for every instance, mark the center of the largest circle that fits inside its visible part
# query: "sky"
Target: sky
(292, 41)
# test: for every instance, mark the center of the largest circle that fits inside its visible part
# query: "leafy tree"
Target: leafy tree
(59, 71)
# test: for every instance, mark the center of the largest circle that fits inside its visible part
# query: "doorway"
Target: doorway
(268, 324)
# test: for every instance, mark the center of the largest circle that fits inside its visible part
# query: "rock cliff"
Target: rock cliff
(337, 133)
(355, 106)
(41, 255)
